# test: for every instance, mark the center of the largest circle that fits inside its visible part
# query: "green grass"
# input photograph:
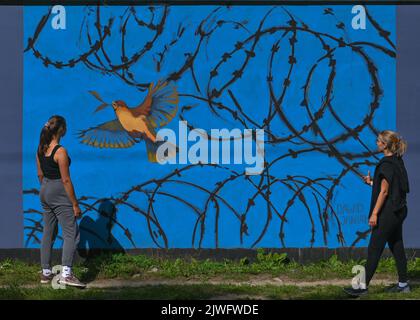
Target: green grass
(125, 266)
(202, 291)
(14, 274)
(144, 267)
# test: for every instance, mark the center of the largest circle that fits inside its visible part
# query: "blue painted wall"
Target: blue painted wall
(311, 193)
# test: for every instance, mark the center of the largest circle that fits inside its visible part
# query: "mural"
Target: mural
(320, 89)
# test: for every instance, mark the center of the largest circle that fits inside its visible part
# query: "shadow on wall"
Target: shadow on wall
(96, 235)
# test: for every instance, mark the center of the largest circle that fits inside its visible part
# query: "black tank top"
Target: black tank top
(49, 167)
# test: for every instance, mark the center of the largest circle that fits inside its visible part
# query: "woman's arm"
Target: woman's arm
(63, 164)
(379, 202)
(38, 165)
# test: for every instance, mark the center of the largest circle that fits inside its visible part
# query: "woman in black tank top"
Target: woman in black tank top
(58, 200)
(49, 166)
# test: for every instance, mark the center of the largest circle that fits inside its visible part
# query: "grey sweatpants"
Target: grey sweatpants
(57, 208)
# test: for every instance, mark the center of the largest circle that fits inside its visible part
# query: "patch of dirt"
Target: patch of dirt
(252, 281)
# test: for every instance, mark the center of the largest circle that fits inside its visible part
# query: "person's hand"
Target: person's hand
(77, 211)
(373, 221)
(367, 179)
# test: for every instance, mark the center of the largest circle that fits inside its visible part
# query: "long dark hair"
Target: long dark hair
(56, 125)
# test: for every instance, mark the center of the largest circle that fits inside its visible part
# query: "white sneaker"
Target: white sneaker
(71, 281)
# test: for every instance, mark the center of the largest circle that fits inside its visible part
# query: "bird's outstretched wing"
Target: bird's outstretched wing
(160, 105)
(110, 134)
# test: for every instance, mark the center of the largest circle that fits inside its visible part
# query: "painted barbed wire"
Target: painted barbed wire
(202, 213)
(376, 92)
(121, 69)
(318, 115)
(354, 133)
(213, 196)
(205, 30)
(104, 33)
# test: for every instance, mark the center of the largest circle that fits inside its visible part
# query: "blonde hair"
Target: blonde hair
(393, 141)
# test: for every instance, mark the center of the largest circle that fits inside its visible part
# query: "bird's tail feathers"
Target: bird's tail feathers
(169, 151)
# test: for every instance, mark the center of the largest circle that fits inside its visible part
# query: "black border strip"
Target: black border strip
(207, 2)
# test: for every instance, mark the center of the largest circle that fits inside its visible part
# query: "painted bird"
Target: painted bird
(135, 124)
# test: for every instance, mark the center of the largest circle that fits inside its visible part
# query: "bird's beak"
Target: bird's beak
(114, 105)
(102, 106)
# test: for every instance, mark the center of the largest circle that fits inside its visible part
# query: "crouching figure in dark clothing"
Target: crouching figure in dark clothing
(388, 210)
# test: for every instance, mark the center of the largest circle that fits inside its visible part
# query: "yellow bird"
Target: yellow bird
(135, 124)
